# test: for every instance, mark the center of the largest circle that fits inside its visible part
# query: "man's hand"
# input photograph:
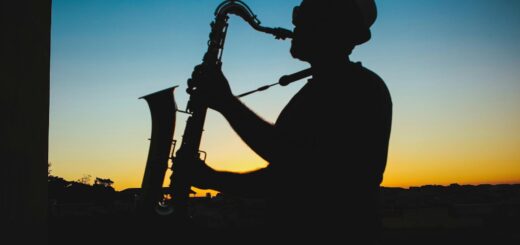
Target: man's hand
(212, 87)
(196, 172)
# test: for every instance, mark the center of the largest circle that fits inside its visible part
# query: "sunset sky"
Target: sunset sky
(452, 68)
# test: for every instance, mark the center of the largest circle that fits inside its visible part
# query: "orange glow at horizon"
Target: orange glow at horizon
(468, 157)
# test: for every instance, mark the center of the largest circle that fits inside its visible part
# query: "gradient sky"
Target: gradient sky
(452, 67)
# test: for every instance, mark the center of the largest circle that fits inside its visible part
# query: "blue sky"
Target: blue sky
(451, 67)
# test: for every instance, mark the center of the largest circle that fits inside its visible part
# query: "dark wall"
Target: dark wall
(25, 56)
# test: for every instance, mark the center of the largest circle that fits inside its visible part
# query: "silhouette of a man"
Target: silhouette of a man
(327, 150)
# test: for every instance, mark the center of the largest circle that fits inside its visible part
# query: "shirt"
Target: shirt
(334, 136)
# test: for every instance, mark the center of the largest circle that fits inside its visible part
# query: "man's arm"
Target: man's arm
(251, 184)
(255, 183)
(257, 133)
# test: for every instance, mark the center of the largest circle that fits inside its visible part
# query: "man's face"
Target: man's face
(313, 35)
(301, 42)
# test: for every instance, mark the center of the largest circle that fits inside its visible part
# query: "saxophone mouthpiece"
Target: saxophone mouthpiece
(281, 33)
(278, 33)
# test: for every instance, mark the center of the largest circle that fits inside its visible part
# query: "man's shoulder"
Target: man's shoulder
(365, 74)
(370, 80)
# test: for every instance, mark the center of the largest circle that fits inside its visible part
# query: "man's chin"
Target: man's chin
(298, 54)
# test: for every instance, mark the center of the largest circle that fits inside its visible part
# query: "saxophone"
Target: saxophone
(163, 109)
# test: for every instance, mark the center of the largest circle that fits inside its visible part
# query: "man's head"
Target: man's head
(327, 29)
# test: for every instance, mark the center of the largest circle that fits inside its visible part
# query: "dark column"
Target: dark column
(24, 84)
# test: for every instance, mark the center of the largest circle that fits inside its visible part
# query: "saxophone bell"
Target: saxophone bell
(163, 114)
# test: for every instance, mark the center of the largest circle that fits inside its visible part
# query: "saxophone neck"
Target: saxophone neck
(241, 9)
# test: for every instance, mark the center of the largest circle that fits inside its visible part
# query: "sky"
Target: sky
(452, 68)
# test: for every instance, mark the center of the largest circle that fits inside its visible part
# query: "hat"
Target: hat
(357, 16)
(368, 12)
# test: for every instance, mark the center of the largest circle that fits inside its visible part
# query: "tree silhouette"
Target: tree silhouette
(57, 187)
(104, 182)
(85, 179)
(102, 192)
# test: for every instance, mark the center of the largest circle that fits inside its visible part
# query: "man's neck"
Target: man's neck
(328, 66)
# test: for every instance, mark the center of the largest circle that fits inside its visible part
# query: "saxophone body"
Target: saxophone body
(161, 141)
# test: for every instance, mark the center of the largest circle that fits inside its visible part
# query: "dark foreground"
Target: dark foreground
(138, 231)
(454, 214)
